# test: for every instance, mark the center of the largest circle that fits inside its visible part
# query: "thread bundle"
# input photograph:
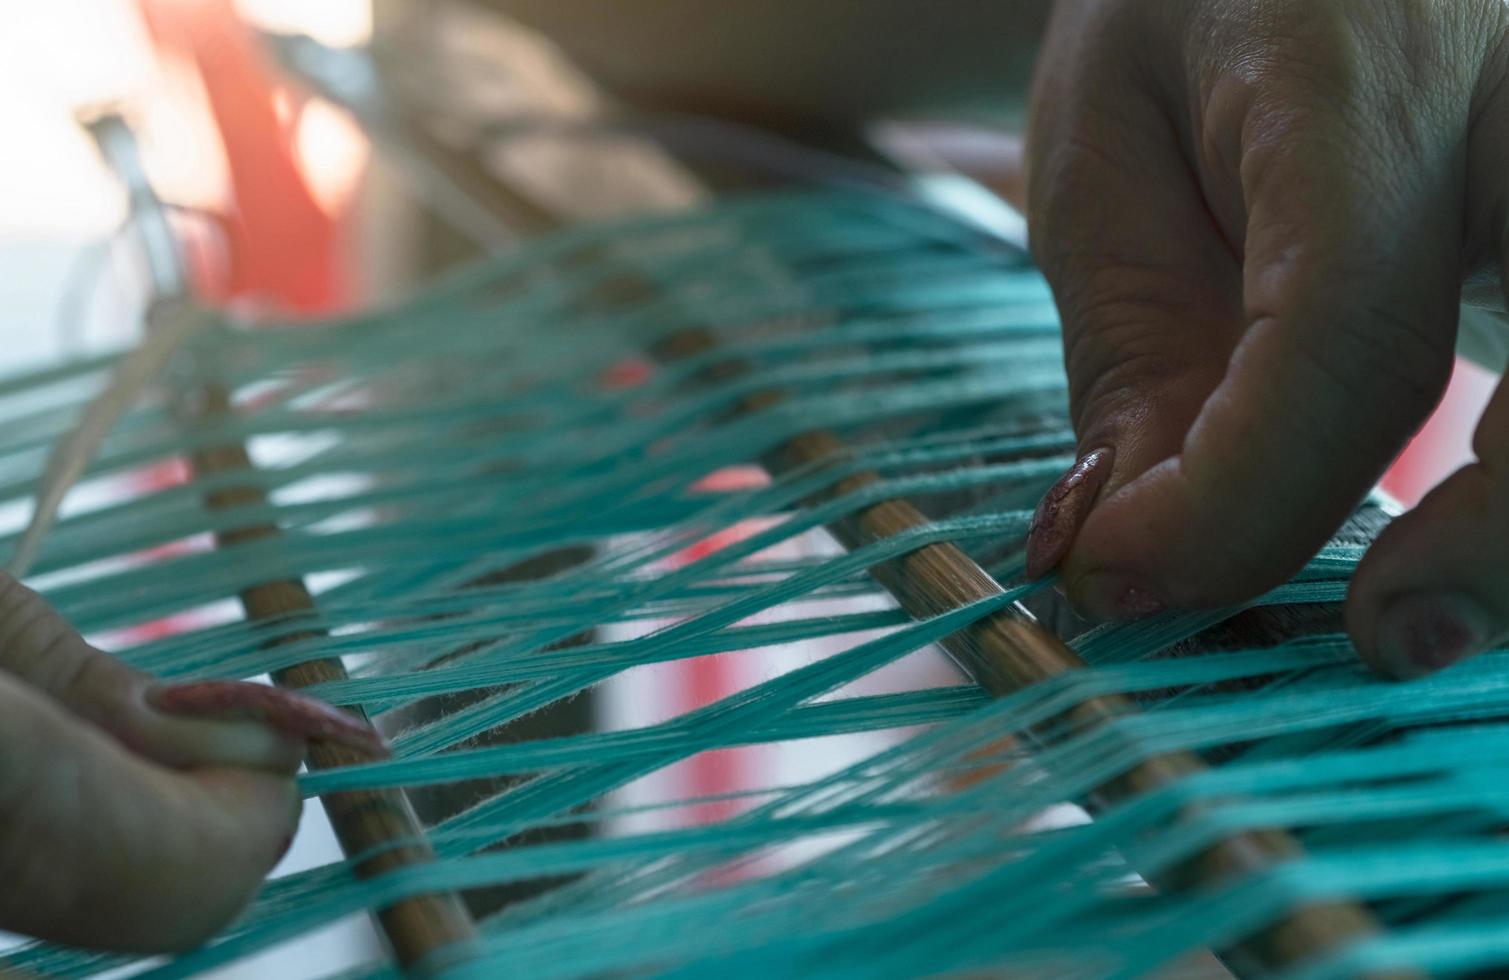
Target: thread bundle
(415, 456)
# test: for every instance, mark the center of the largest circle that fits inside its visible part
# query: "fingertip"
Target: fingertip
(289, 712)
(1421, 633)
(1114, 572)
(1107, 596)
(1172, 540)
(1064, 508)
(1431, 591)
(186, 742)
(267, 806)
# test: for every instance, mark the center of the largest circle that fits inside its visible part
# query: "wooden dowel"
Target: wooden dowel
(378, 827)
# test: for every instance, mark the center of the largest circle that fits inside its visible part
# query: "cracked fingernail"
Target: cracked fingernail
(1063, 509)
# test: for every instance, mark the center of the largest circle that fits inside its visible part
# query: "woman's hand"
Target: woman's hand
(132, 816)
(1258, 217)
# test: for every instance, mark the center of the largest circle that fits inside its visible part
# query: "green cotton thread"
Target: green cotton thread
(412, 455)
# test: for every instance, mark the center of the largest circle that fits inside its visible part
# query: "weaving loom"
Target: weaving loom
(893, 376)
(946, 387)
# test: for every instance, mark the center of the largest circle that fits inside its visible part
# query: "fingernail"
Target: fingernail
(1422, 632)
(288, 711)
(1063, 509)
(1119, 598)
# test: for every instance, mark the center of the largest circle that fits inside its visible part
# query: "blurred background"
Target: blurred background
(319, 156)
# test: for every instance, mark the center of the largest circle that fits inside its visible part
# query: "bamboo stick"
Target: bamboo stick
(377, 828)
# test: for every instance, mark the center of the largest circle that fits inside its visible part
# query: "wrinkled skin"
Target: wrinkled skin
(123, 825)
(1258, 217)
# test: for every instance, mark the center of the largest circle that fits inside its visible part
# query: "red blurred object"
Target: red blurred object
(284, 248)
(1445, 443)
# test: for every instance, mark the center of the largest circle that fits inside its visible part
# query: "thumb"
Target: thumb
(1351, 284)
(100, 847)
(202, 723)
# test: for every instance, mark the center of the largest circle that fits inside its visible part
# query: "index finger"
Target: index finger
(1351, 280)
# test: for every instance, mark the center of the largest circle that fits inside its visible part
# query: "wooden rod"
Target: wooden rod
(378, 827)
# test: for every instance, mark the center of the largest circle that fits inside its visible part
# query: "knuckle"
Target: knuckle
(93, 686)
(1108, 397)
(1284, 42)
(1110, 286)
(1117, 351)
(1119, 357)
(1383, 80)
(1065, 183)
(37, 645)
(1086, 154)
(1118, 316)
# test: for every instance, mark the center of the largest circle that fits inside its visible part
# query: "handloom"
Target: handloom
(880, 361)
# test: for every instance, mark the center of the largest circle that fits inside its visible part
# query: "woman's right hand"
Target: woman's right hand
(1258, 218)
